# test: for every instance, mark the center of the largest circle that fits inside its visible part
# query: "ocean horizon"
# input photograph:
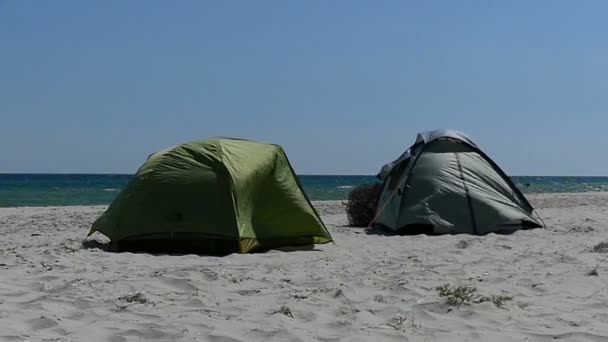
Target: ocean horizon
(70, 189)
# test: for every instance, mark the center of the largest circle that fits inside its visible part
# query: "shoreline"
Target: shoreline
(527, 195)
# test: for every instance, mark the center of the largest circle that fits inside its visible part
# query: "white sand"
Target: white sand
(363, 288)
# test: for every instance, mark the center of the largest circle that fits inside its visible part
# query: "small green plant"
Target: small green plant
(466, 295)
(457, 295)
(283, 310)
(601, 247)
(497, 300)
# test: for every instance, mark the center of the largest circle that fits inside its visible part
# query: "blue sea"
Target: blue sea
(84, 189)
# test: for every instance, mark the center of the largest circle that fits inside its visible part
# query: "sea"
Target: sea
(18, 190)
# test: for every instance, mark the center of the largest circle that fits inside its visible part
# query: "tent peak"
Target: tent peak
(428, 136)
(423, 138)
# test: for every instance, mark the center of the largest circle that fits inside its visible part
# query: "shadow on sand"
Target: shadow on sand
(182, 248)
(428, 230)
(104, 246)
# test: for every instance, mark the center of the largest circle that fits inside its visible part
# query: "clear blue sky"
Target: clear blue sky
(342, 85)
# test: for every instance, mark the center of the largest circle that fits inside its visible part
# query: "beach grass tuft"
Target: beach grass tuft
(467, 295)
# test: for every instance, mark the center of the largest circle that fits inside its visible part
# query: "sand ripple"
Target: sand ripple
(363, 288)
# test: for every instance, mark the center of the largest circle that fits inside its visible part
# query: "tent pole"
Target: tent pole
(386, 203)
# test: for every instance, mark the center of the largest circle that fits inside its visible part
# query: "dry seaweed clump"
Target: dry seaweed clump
(361, 204)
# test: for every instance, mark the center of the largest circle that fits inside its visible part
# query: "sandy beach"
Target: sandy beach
(365, 287)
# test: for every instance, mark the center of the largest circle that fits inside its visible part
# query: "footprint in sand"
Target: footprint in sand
(42, 323)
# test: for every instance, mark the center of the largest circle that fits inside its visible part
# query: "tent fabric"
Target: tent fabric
(445, 184)
(425, 138)
(220, 194)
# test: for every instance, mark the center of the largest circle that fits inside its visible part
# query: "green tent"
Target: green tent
(445, 184)
(213, 196)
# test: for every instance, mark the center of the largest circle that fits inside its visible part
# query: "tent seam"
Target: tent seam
(231, 186)
(466, 190)
(406, 183)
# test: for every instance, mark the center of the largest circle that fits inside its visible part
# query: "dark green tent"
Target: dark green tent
(219, 195)
(445, 184)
